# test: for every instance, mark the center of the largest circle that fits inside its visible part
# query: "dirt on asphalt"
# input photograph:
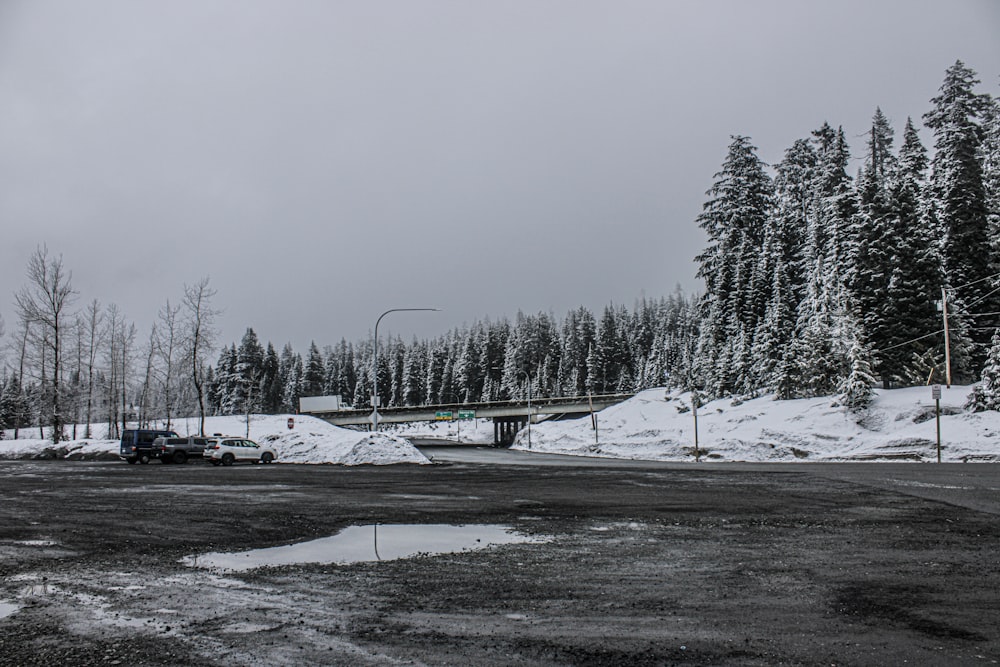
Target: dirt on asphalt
(642, 566)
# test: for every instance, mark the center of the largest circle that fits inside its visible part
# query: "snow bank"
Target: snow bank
(311, 441)
(899, 426)
(655, 425)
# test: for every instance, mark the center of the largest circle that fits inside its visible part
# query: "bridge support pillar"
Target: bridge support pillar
(505, 429)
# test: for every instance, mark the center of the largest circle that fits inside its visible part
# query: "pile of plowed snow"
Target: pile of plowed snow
(659, 425)
(311, 440)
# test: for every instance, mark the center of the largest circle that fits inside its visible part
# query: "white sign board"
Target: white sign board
(319, 404)
(936, 392)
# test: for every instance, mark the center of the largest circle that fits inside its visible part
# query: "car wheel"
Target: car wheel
(266, 457)
(180, 458)
(144, 459)
(228, 459)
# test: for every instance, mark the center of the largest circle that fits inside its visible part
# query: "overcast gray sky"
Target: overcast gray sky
(324, 161)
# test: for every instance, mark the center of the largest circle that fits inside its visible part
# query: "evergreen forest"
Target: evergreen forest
(817, 282)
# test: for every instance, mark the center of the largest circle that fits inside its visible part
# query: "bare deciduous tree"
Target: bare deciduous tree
(127, 344)
(22, 353)
(43, 302)
(167, 344)
(199, 338)
(146, 393)
(114, 323)
(92, 319)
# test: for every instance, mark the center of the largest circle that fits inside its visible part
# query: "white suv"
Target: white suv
(228, 450)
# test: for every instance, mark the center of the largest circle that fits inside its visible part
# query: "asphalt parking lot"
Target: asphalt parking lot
(627, 564)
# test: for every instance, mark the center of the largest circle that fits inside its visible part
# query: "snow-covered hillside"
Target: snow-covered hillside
(657, 425)
(312, 440)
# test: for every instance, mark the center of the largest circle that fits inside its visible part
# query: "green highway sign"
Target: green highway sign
(466, 414)
(443, 415)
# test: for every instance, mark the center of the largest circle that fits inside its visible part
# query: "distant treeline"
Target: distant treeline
(625, 350)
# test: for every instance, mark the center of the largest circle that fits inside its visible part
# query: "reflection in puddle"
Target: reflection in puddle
(6, 609)
(35, 590)
(358, 544)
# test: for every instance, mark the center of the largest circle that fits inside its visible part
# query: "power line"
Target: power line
(990, 293)
(939, 331)
(995, 275)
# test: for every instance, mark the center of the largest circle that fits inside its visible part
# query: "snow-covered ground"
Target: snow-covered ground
(655, 425)
(312, 440)
(659, 425)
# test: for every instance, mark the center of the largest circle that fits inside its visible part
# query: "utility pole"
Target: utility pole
(947, 338)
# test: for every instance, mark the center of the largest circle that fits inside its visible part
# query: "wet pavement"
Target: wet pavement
(624, 563)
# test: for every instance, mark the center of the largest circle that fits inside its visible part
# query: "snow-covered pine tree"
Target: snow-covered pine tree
(877, 241)
(250, 371)
(492, 360)
(437, 358)
(228, 388)
(781, 262)
(13, 406)
(394, 358)
(414, 369)
(909, 312)
(986, 393)
(292, 375)
(774, 332)
(602, 357)
(734, 218)
(959, 199)
(270, 387)
(362, 363)
(517, 360)
(469, 374)
(825, 313)
(347, 376)
(990, 158)
(856, 390)
(315, 372)
(579, 342)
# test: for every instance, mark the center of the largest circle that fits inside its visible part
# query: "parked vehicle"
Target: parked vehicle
(179, 450)
(137, 443)
(228, 450)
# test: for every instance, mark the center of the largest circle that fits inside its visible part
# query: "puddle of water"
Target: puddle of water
(35, 590)
(6, 609)
(359, 544)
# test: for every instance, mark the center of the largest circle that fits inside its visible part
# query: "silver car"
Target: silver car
(228, 450)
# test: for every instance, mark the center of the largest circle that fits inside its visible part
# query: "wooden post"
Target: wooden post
(593, 419)
(694, 409)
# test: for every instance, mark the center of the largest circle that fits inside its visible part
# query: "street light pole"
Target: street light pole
(375, 359)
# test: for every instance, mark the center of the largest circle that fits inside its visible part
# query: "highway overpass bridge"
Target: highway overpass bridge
(508, 416)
